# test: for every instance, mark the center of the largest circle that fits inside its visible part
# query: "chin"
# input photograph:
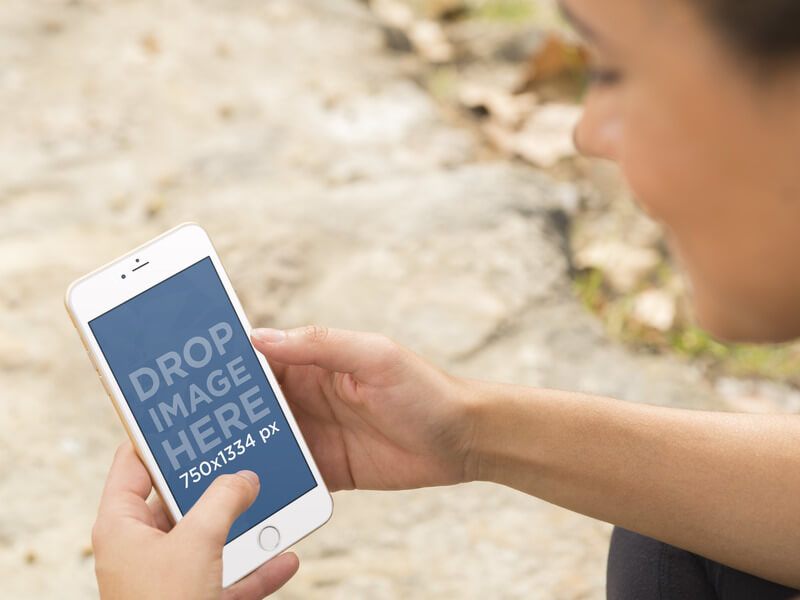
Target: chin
(739, 326)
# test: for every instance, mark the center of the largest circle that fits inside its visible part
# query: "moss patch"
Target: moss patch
(775, 362)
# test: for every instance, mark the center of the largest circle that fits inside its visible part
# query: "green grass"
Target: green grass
(442, 83)
(505, 10)
(589, 286)
(778, 362)
(775, 362)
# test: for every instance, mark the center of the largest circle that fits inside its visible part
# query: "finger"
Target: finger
(127, 486)
(225, 499)
(360, 354)
(265, 580)
(160, 516)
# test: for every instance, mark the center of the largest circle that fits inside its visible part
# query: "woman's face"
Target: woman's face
(710, 149)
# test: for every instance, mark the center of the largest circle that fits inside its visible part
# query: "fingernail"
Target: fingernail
(270, 336)
(250, 476)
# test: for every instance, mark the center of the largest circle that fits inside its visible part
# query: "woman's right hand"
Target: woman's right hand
(375, 415)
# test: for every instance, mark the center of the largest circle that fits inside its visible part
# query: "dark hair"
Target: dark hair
(765, 30)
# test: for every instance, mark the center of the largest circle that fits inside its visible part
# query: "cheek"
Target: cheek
(669, 167)
(644, 168)
(698, 168)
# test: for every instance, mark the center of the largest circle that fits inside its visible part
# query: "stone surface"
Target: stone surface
(336, 193)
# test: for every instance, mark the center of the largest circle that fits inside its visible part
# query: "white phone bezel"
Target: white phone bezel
(104, 289)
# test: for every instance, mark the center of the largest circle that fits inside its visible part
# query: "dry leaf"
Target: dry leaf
(504, 108)
(546, 136)
(430, 41)
(558, 62)
(656, 309)
(623, 265)
(393, 13)
(445, 9)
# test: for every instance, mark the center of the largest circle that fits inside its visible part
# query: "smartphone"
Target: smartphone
(169, 340)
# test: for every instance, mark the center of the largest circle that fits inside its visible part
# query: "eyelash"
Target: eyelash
(603, 77)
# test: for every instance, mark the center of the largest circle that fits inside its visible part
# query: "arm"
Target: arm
(377, 416)
(721, 485)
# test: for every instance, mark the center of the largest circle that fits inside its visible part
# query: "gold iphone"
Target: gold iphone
(169, 339)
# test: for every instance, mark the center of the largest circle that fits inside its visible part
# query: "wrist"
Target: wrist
(508, 443)
(478, 401)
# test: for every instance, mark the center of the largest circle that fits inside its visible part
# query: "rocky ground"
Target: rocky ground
(337, 192)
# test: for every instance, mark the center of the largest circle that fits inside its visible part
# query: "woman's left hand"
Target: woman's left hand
(139, 554)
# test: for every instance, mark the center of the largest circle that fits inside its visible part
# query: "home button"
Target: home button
(269, 538)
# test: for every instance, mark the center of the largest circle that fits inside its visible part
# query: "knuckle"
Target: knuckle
(386, 349)
(315, 334)
(233, 593)
(206, 529)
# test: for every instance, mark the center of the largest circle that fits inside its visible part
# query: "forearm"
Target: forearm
(721, 485)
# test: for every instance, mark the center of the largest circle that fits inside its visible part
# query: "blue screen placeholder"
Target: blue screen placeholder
(197, 391)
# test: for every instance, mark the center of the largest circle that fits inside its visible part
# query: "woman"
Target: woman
(699, 103)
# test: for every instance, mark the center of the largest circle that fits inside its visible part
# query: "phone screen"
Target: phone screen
(199, 395)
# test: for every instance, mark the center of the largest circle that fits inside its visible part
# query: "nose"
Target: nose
(599, 132)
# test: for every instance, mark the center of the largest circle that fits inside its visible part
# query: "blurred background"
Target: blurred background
(397, 166)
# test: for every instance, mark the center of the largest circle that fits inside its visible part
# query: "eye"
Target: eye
(603, 77)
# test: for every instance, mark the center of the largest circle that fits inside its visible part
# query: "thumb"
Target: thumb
(227, 497)
(360, 354)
